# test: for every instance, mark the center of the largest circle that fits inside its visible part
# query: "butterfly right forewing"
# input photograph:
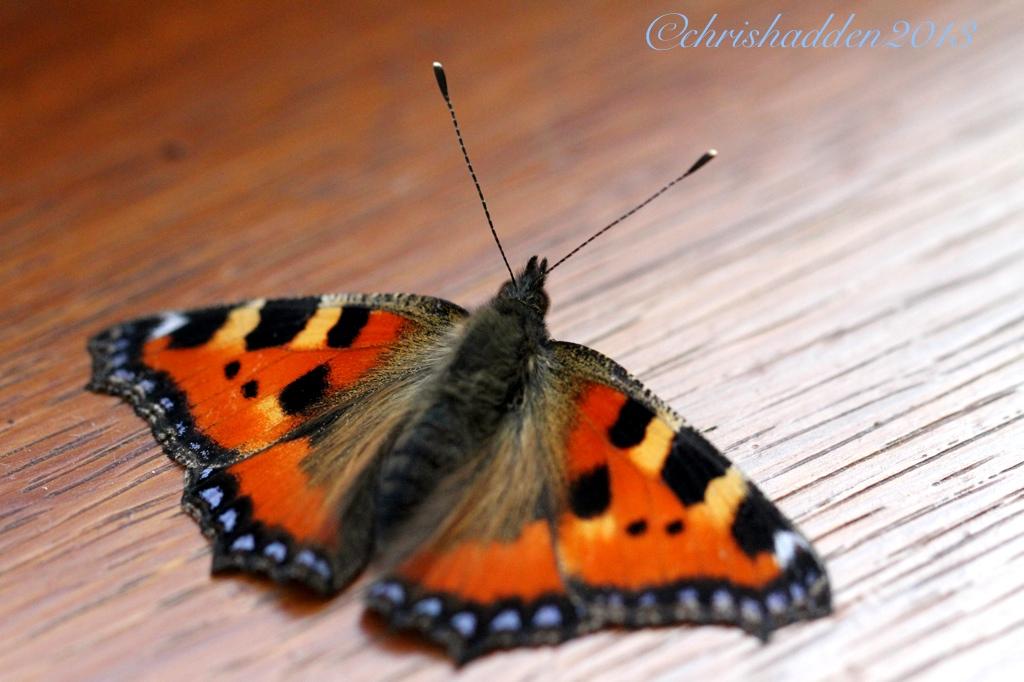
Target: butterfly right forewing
(660, 527)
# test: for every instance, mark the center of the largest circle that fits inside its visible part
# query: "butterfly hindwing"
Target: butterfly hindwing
(660, 527)
(476, 568)
(278, 408)
(481, 595)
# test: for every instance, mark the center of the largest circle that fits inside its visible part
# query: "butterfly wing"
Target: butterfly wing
(597, 506)
(475, 568)
(277, 409)
(660, 527)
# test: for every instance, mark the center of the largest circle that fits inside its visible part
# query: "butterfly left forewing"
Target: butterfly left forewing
(219, 383)
(660, 527)
(279, 409)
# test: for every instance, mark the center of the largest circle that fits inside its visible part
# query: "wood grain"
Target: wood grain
(837, 299)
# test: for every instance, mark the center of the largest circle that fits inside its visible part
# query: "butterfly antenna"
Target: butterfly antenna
(442, 83)
(697, 165)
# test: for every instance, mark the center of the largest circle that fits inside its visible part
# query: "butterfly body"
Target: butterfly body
(509, 488)
(485, 379)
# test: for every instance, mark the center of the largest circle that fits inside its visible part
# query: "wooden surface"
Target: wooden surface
(838, 299)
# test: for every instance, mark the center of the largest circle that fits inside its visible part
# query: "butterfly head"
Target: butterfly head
(528, 286)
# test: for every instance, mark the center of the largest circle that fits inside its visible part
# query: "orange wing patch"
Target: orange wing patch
(268, 516)
(252, 374)
(627, 529)
(479, 596)
(484, 572)
(282, 495)
(660, 527)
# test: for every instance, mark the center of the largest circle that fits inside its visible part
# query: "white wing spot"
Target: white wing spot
(507, 620)
(721, 602)
(213, 496)
(228, 519)
(312, 561)
(393, 592)
(276, 551)
(168, 324)
(797, 592)
(547, 616)
(786, 544)
(428, 607)
(776, 602)
(750, 610)
(244, 543)
(688, 598)
(464, 623)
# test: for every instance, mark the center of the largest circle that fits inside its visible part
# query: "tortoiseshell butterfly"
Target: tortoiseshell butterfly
(511, 489)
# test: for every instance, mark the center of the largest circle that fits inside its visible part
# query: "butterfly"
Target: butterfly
(510, 489)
